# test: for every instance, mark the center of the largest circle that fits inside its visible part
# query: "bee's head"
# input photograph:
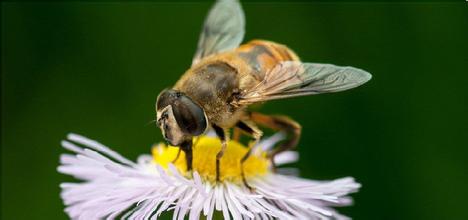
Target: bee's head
(179, 117)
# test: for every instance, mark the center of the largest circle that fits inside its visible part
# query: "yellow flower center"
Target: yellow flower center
(204, 159)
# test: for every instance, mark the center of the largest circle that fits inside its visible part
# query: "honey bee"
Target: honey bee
(226, 77)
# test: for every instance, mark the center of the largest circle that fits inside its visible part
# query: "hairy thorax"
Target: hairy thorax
(217, 80)
(213, 85)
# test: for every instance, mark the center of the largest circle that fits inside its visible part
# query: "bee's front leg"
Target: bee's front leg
(223, 135)
(186, 146)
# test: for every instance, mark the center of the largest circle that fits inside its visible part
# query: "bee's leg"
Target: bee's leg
(236, 134)
(187, 148)
(252, 130)
(223, 135)
(280, 123)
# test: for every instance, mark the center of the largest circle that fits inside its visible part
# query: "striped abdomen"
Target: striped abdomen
(262, 56)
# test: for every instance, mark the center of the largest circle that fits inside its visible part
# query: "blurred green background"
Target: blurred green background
(97, 68)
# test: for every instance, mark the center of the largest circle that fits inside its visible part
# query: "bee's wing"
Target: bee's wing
(223, 29)
(293, 78)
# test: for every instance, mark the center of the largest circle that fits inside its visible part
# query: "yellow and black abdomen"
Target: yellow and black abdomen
(263, 55)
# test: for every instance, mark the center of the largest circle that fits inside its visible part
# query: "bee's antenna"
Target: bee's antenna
(151, 122)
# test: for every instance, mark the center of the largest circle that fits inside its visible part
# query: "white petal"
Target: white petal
(112, 185)
(99, 147)
(286, 157)
(268, 143)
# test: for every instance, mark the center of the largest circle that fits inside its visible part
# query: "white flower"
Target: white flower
(115, 187)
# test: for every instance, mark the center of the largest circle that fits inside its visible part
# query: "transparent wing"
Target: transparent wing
(223, 30)
(292, 78)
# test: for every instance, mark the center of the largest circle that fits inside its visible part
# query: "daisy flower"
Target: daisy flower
(114, 187)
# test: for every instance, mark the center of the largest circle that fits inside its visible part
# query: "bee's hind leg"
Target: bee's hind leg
(252, 130)
(279, 123)
(223, 135)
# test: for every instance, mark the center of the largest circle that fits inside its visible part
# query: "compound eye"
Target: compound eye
(189, 116)
(165, 98)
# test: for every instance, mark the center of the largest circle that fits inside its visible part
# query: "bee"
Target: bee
(226, 77)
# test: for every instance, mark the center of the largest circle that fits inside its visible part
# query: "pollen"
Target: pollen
(204, 159)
